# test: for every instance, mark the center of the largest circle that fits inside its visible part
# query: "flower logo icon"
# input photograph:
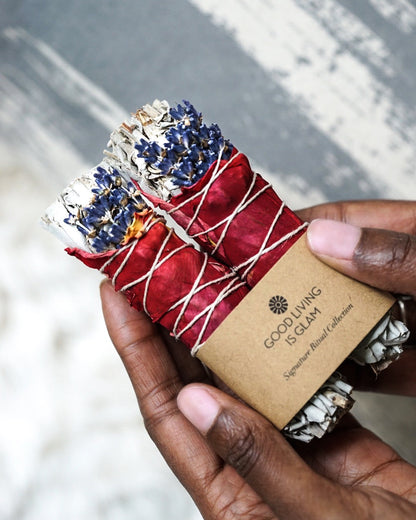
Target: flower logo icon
(278, 304)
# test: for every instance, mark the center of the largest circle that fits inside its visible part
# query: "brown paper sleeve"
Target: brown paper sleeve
(291, 332)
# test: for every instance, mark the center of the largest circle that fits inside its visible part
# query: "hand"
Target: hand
(231, 460)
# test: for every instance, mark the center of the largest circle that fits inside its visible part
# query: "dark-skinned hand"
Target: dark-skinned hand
(231, 460)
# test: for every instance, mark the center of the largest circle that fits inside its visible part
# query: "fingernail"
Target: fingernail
(332, 238)
(198, 406)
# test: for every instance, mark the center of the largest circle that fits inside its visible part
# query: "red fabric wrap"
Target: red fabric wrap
(170, 282)
(248, 228)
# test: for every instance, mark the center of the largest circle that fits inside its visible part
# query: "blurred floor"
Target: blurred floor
(72, 444)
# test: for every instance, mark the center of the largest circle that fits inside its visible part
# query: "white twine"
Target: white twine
(229, 289)
(155, 265)
(190, 295)
(241, 206)
(123, 263)
(148, 224)
(204, 191)
(231, 274)
(255, 258)
(234, 284)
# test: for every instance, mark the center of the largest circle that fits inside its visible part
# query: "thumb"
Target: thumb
(258, 452)
(381, 258)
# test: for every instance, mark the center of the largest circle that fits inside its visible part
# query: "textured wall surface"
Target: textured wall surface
(320, 94)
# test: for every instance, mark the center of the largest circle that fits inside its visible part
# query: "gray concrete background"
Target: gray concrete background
(320, 95)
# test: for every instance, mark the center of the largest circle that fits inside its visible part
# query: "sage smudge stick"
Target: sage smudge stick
(105, 223)
(190, 170)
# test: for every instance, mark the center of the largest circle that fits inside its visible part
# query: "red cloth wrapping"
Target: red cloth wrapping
(170, 282)
(248, 229)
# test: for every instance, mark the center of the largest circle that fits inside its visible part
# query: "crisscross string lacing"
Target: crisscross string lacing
(206, 313)
(235, 283)
(247, 199)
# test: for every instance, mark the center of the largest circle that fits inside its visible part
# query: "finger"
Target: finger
(137, 339)
(156, 383)
(189, 368)
(250, 444)
(381, 258)
(383, 214)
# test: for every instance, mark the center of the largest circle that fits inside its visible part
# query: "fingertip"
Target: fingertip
(106, 287)
(199, 406)
(330, 238)
(116, 309)
(108, 295)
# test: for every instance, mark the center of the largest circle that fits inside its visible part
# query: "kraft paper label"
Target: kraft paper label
(291, 332)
